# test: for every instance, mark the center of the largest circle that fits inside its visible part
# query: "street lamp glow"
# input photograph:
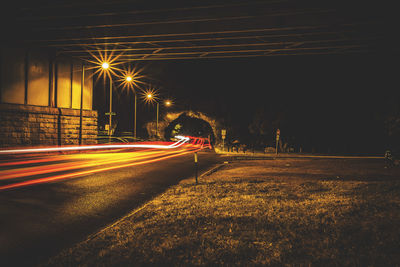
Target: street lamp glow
(168, 103)
(128, 78)
(105, 65)
(149, 96)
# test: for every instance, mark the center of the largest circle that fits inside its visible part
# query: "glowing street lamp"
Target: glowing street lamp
(105, 66)
(131, 78)
(149, 97)
(168, 103)
(129, 81)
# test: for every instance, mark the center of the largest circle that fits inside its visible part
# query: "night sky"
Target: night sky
(328, 103)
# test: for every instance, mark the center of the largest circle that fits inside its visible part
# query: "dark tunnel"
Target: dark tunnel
(189, 126)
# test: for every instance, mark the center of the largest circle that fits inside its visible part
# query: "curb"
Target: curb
(130, 214)
(212, 170)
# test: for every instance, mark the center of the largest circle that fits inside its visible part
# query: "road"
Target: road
(51, 205)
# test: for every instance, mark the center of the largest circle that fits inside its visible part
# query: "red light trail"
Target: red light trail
(61, 167)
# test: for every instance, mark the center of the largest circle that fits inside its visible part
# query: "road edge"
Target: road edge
(133, 212)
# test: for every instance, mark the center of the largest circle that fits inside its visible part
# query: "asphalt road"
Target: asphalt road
(38, 221)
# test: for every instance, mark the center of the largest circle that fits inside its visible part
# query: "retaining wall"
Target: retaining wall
(25, 125)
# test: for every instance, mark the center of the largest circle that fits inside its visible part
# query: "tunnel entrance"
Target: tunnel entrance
(189, 126)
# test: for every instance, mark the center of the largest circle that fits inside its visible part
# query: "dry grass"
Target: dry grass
(289, 212)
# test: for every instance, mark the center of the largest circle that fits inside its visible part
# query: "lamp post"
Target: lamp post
(110, 111)
(105, 67)
(129, 80)
(134, 120)
(167, 103)
(150, 98)
(81, 106)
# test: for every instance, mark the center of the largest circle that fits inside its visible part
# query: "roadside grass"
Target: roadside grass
(285, 212)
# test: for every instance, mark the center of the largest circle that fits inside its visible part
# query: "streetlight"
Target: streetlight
(151, 98)
(105, 63)
(167, 103)
(129, 80)
(105, 66)
(81, 106)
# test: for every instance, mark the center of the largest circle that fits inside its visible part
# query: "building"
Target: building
(40, 99)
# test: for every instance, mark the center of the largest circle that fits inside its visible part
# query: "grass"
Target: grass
(285, 212)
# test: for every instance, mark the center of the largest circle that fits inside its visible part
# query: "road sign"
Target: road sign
(223, 133)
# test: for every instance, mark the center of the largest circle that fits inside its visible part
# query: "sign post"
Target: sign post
(278, 132)
(223, 134)
(195, 165)
(108, 127)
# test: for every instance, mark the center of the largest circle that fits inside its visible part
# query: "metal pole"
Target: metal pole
(157, 122)
(110, 115)
(81, 108)
(134, 121)
(195, 165)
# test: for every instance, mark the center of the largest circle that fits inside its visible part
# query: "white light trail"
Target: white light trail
(182, 140)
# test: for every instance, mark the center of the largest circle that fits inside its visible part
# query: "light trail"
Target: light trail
(100, 160)
(86, 172)
(182, 140)
(90, 163)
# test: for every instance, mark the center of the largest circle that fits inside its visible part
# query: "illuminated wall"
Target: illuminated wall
(12, 76)
(69, 76)
(37, 78)
(40, 99)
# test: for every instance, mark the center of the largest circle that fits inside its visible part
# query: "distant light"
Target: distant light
(129, 78)
(168, 103)
(149, 96)
(105, 65)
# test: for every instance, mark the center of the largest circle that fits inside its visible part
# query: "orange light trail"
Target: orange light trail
(107, 159)
(86, 172)
(182, 140)
(88, 163)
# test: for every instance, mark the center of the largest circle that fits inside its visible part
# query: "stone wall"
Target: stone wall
(25, 125)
